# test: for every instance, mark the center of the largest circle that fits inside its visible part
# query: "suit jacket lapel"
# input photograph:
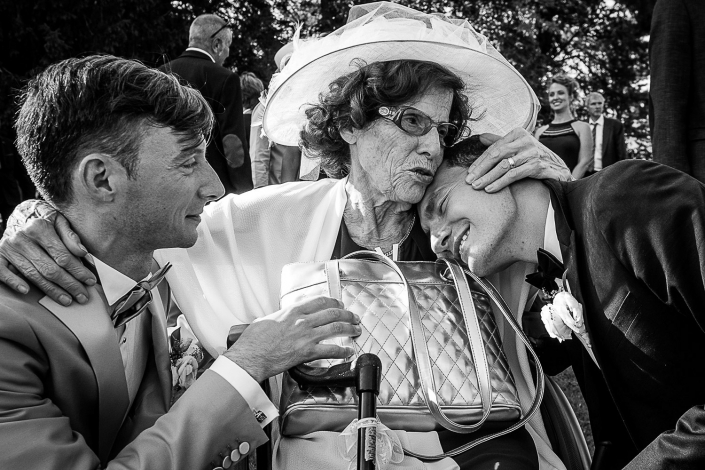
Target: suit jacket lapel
(160, 341)
(566, 236)
(606, 135)
(92, 327)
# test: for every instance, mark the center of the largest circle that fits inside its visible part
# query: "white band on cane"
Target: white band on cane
(389, 449)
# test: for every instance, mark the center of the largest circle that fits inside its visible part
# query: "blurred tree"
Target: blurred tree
(601, 42)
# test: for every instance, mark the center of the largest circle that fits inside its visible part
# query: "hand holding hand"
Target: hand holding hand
(44, 249)
(292, 336)
(515, 156)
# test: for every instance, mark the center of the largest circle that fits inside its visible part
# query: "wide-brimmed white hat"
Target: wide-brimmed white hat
(499, 97)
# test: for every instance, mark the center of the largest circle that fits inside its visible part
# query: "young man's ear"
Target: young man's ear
(98, 176)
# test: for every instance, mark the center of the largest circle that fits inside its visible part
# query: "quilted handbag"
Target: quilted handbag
(435, 333)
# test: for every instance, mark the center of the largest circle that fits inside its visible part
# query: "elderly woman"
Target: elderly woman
(375, 104)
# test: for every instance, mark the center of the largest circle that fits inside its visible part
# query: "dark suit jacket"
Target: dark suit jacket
(221, 88)
(614, 148)
(677, 95)
(638, 268)
(64, 402)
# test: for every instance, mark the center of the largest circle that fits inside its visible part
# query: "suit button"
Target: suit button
(244, 448)
(227, 462)
(235, 455)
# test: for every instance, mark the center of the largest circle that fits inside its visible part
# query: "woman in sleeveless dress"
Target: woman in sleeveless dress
(569, 138)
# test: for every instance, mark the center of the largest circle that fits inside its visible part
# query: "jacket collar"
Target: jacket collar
(566, 234)
(91, 325)
(197, 53)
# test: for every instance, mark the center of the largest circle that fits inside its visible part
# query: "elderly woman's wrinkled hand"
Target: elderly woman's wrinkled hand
(40, 246)
(515, 156)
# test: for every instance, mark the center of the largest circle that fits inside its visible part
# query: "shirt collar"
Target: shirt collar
(201, 50)
(550, 236)
(114, 283)
(600, 121)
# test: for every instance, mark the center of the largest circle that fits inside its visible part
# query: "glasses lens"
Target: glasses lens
(414, 122)
(448, 133)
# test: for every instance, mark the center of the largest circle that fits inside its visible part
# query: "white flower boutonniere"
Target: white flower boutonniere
(564, 315)
(185, 356)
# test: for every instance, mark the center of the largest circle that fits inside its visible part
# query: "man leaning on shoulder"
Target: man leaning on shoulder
(633, 276)
(119, 150)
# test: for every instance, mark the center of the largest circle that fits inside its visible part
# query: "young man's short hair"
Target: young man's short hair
(465, 152)
(99, 104)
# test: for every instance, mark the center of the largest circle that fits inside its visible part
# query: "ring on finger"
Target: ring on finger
(511, 162)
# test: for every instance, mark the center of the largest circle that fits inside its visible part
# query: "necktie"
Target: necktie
(549, 270)
(594, 136)
(136, 301)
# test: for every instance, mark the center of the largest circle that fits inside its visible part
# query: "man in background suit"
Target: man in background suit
(641, 283)
(201, 65)
(607, 135)
(122, 156)
(677, 94)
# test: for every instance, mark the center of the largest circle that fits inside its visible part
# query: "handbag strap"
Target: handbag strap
(477, 350)
(540, 379)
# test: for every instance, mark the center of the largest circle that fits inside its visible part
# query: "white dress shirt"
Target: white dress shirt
(598, 141)
(550, 236)
(200, 50)
(135, 339)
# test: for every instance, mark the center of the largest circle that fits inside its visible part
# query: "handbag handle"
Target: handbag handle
(477, 350)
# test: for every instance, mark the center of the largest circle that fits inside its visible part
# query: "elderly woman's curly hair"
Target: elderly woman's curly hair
(353, 100)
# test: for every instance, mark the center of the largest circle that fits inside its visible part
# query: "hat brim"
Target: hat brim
(499, 97)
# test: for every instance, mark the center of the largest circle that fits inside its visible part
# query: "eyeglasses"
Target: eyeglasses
(417, 123)
(226, 25)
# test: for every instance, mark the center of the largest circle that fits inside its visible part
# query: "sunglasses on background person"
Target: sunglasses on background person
(226, 25)
(417, 123)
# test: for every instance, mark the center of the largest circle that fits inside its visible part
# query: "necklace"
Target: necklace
(396, 246)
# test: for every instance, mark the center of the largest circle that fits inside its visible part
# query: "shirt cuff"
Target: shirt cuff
(258, 401)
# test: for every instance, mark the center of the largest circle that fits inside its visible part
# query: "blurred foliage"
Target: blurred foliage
(602, 43)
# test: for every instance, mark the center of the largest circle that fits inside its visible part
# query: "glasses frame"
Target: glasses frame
(226, 25)
(394, 114)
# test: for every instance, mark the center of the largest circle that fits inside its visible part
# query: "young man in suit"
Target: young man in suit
(637, 268)
(201, 66)
(607, 135)
(119, 149)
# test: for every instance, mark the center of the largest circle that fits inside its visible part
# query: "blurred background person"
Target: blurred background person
(677, 95)
(568, 137)
(272, 163)
(252, 88)
(201, 65)
(607, 135)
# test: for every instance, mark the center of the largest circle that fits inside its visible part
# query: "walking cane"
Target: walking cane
(369, 374)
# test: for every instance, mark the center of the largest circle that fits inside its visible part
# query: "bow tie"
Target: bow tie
(136, 301)
(549, 270)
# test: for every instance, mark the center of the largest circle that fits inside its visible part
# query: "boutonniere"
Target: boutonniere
(185, 356)
(564, 315)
